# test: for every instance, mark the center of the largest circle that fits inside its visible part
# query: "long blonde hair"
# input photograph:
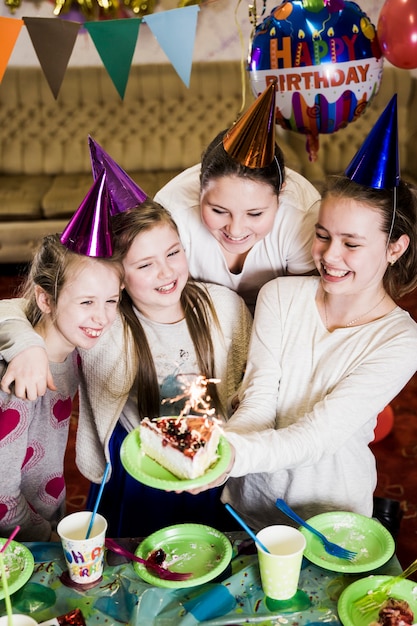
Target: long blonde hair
(52, 266)
(197, 305)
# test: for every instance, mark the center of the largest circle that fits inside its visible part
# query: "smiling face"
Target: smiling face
(156, 272)
(238, 212)
(87, 306)
(349, 249)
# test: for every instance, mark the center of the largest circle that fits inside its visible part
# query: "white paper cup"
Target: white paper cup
(280, 570)
(18, 620)
(84, 557)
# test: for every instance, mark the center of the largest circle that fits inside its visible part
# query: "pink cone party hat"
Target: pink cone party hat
(88, 230)
(251, 140)
(376, 164)
(124, 193)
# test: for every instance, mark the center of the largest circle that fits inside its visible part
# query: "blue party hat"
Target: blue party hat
(124, 193)
(88, 230)
(376, 164)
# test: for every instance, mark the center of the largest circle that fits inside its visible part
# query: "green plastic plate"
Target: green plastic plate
(350, 615)
(195, 548)
(149, 472)
(19, 563)
(366, 536)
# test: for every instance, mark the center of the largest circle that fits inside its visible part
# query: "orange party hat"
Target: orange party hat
(251, 140)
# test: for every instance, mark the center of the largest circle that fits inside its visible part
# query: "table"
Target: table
(123, 598)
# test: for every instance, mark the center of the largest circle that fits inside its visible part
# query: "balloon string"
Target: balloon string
(242, 63)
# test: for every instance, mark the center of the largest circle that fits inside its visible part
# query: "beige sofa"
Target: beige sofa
(160, 128)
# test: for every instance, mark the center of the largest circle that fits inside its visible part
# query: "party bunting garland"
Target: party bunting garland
(53, 44)
(9, 32)
(115, 40)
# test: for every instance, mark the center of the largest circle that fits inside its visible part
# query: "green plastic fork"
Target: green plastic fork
(376, 597)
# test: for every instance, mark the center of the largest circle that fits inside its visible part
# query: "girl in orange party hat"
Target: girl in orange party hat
(243, 217)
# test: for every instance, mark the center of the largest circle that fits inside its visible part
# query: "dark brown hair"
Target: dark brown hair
(216, 163)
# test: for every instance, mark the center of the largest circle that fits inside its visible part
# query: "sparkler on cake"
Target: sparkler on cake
(186, 444)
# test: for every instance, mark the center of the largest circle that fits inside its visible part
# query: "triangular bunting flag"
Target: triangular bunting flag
(175, 32)
(9, 32)
(53, 41)
(115, 41)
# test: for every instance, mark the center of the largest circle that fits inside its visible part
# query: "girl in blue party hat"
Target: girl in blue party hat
(72, 293)
(328, 353)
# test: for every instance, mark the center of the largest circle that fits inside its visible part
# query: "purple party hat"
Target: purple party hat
(376, 164)
(124, 193)
(88, 230)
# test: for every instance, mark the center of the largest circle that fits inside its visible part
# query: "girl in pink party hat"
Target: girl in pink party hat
(71, 298)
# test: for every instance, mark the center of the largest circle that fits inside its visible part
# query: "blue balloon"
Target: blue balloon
(326, 62)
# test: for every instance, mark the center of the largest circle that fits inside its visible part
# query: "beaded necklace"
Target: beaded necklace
(352, 322)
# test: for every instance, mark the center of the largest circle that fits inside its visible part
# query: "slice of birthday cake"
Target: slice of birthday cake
(395, 613)
(185, 445)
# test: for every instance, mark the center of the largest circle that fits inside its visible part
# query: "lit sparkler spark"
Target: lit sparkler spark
(198, 400)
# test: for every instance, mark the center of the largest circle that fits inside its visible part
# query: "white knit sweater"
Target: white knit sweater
(109, 369)
(310, 403)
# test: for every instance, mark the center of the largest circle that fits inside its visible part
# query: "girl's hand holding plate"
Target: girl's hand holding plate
(217, 482)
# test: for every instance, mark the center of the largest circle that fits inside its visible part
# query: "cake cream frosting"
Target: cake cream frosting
(184, 445)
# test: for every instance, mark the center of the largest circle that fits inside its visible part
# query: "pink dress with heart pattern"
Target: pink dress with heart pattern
(33, 439)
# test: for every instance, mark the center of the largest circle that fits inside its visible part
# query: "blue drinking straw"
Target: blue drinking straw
(246, 527)
(100, 493)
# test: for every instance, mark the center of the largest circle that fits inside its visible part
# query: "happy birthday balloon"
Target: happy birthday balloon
(327, 63)
(397, 32)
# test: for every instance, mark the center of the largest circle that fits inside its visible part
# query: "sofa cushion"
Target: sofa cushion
(67, 191)
(21, 196)
(20, 238)
(65, 194)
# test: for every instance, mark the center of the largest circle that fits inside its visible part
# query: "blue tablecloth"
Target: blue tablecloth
(123, 598)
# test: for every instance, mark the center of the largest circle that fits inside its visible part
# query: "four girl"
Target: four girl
(305, 415)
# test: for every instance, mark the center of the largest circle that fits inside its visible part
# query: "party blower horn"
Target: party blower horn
(376, 164)
(124, 193)
(251, 140)
(88, 230)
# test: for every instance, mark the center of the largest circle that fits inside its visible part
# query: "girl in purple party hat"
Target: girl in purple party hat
(71, 298)
(171, 330)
